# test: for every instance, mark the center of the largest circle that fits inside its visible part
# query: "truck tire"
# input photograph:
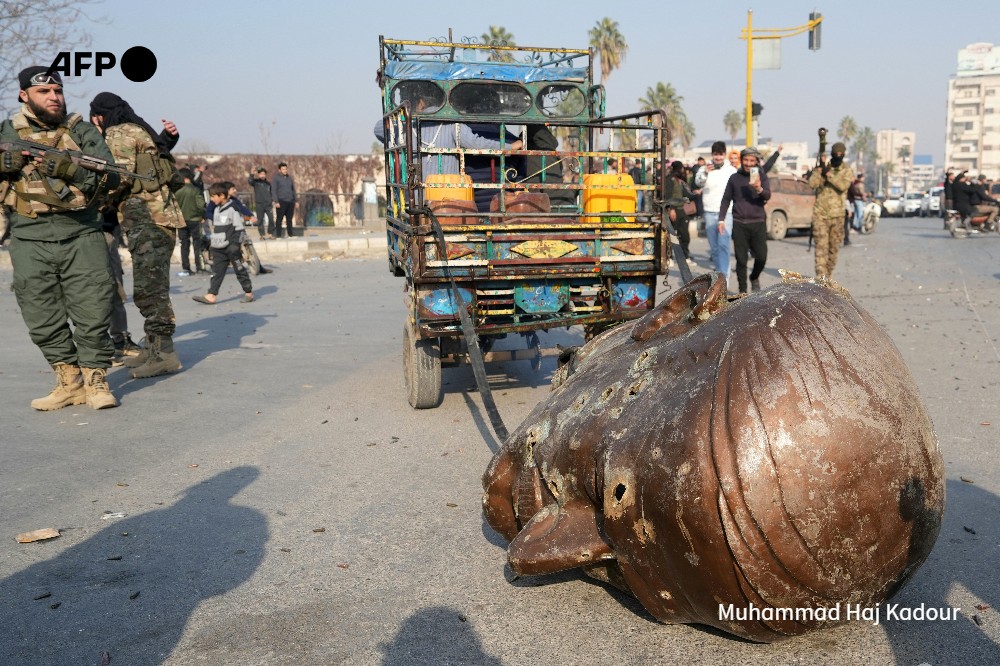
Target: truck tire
(777, 225)
(421, 370)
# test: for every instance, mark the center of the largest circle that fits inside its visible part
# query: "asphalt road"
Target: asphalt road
(285, 505)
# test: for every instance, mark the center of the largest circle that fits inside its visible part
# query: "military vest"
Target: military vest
(129, 142)
(32, 193)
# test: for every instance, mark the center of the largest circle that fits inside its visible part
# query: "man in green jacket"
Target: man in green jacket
(192, 204)
(60, 258)
(831, 182)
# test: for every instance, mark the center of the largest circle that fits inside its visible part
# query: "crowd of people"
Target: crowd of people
(970, 197)
(730, 193)
(68, 217)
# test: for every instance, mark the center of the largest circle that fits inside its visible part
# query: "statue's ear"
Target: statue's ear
(696, 301)
(558, 538)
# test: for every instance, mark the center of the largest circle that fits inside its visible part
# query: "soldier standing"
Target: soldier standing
(831, 182)
(60, 258)
(150, 219)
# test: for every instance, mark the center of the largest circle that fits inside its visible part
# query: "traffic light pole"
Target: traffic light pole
(751, 139)
(772, 33)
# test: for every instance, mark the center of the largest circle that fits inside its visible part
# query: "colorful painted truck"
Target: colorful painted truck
(509, 194)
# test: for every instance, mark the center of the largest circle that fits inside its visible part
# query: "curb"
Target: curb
(290, 250)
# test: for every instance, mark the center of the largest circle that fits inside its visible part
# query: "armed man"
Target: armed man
(831, 182)
(58, 251)
(151, 217)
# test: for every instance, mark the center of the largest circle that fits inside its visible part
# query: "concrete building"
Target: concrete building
(972, 128)
(895, 148)
(924, 174)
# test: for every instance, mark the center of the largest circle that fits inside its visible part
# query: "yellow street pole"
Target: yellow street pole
(750, 138)
(768, 33)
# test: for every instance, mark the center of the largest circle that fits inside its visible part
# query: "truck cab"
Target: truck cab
(509, 195)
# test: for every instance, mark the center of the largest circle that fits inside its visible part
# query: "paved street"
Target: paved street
(283, 504)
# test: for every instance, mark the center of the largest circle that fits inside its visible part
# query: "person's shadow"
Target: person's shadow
(436, 635)
(129, 589)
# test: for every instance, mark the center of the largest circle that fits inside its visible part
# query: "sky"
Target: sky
(297, 77)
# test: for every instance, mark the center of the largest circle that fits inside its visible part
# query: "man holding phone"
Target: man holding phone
(748, 190)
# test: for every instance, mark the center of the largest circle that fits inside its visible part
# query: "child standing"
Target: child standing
(227, 225)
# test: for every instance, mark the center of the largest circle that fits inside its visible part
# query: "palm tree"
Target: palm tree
(685, 134)
(609, 45)
(498, 36)
(733, 121)
(847, 129)
(864, 148)
(664, 97)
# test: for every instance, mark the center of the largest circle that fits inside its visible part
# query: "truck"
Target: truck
(509, 201)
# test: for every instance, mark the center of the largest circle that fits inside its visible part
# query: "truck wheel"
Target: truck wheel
(778, 226)
(422, 370)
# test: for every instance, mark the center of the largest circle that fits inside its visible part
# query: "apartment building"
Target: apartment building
(972, 141)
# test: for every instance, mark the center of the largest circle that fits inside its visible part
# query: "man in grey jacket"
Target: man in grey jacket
(284, 196)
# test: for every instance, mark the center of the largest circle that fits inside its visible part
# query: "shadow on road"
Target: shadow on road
(962, 563)
(205, 336)
(130, 589)
(436, 635)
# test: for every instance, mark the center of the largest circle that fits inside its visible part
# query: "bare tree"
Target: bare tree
(33, 31)
(265, 135)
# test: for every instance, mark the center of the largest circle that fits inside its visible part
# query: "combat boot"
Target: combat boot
(68, 391)
(125, 348)
(99, 395)
(161, 359)
(141, 355)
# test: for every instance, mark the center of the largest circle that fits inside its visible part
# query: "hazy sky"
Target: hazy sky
(302, 70)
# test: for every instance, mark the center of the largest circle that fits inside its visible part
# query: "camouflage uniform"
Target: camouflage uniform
(828, 214)
(150, 219)
(60, 259)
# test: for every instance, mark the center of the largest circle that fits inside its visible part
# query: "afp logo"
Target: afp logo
(137, 64)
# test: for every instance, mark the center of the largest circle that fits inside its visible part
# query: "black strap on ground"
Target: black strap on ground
(471, 339)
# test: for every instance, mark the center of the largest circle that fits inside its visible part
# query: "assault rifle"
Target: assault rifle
(82, 160)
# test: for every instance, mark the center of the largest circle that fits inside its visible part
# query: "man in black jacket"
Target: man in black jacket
(983, 203)
(963, 192)
(284, 195)
(748, 190)
(263, 202)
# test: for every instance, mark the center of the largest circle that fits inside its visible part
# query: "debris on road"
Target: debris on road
(38, 535)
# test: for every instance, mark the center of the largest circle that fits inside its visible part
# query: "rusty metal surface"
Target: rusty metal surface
(772, 452)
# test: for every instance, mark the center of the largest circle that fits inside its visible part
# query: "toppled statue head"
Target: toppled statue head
(770, 452)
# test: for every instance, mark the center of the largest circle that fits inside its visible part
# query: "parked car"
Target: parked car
(790, 206)
(893, 206)
(935, 201)
(911, 203)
